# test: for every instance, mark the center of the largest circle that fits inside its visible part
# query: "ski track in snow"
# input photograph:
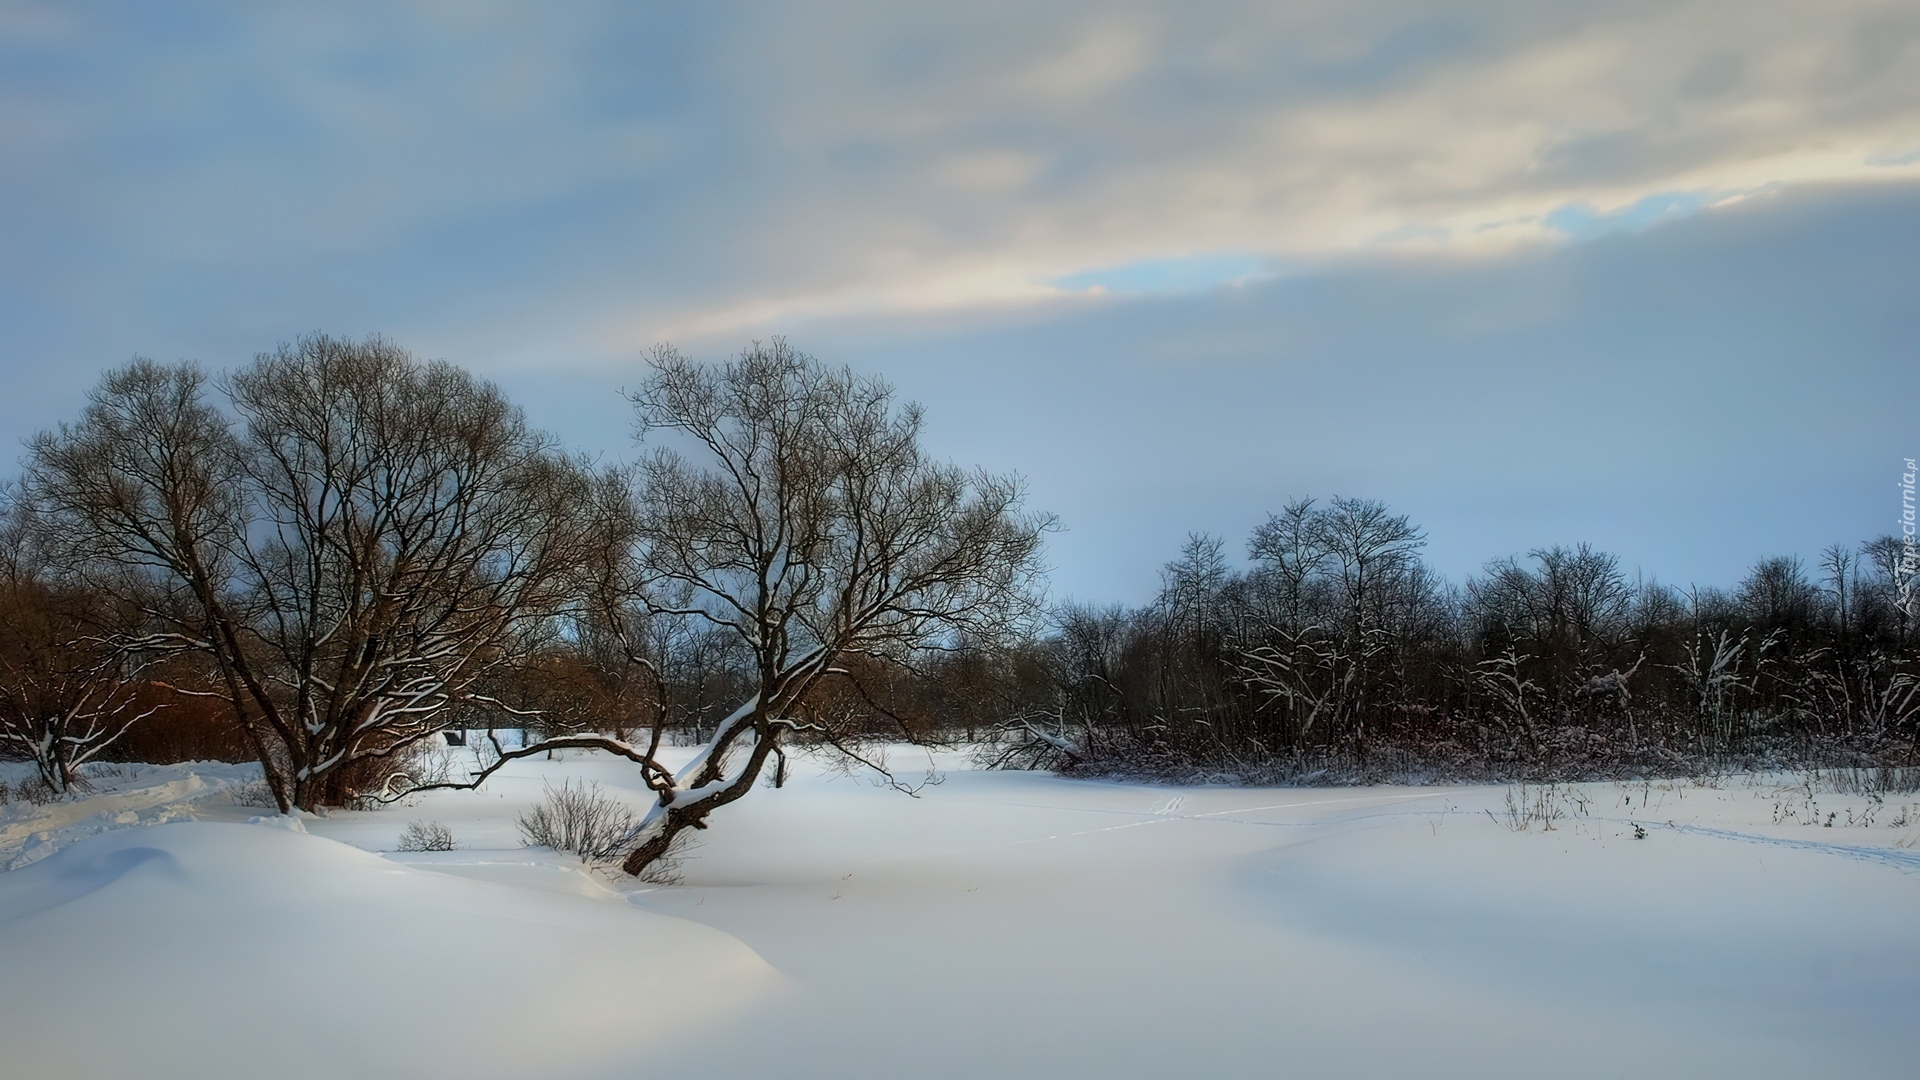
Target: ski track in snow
(1904, 860)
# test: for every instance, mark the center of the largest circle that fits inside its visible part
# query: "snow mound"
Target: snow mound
(206, 949)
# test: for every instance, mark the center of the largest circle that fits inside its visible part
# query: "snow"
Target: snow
(1002, 924)
(213, 949)
(121, 795)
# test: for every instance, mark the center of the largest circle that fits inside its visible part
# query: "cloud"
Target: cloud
(1694, 397)
(632, 173)
(1320, 240)
(1009, 151)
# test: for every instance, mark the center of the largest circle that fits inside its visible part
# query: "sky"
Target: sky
(1636, 274)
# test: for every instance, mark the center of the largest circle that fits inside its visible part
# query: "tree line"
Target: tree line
(1338, 653)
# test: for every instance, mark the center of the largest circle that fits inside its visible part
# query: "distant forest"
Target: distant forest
(1339, 656)
(326, 559)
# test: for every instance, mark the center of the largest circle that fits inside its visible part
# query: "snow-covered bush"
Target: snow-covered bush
(581, 819)
(1026, 743)
(426, 836)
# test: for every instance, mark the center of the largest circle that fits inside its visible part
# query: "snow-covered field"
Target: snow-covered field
(1001, 925)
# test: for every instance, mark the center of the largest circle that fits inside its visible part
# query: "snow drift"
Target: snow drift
(203, 949)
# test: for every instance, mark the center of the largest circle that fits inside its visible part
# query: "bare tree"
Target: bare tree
(1570, 609)
(1309, 676)
(144, 499)
(793, 508)
(1289, 548)
(811, 525)
(1582, 596)
(1892, 584)
(1777, 594)
(1838, 561)
(1192, 585)
(1500, 679)
(1369, 547)
(354, 559)
(68, 687)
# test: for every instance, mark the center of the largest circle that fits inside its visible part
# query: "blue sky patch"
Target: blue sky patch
(1581, 221)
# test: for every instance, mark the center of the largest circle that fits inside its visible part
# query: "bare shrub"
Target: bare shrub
(253, 793)
(36, 791)
(426, 836)
(1543, 804)
(486, 755)
(1873, 780)
(581, 819)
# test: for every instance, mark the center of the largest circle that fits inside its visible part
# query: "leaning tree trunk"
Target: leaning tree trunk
(705, 788)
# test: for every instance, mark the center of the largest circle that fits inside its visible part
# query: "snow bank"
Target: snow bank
(205, 949)
(119, 796)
